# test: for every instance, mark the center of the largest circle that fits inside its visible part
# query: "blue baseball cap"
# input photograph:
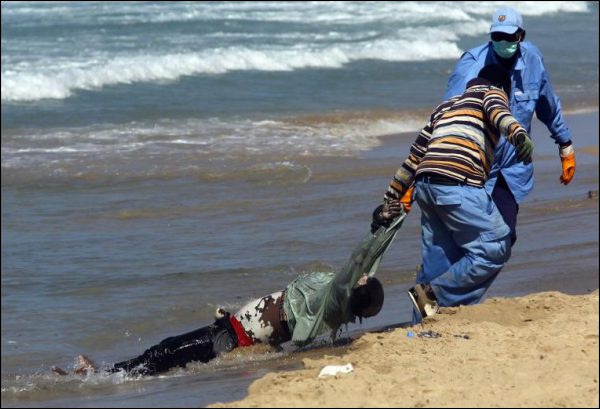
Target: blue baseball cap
(506, 20)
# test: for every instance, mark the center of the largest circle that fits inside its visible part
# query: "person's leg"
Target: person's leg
(262, 320)
(439, 251)
(201, 345)
(477, 227)
(507, 206)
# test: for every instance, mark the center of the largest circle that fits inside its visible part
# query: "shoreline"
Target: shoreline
(567, 263)
(508, 352)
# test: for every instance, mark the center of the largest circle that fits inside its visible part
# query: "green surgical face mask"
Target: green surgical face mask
(505, 49)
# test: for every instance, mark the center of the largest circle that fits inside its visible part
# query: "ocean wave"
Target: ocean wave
(337, 133)
(124, 13)
(58, 83)
(268, 150)
(330, 36)
(530, 8)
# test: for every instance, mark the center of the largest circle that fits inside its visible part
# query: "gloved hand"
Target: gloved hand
(524, 147)
(407, 198)
(567, 159)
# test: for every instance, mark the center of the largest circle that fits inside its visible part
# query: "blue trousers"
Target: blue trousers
(506, 204)
(465, 241)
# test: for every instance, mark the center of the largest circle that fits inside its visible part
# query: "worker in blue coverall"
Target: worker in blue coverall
(510, 180)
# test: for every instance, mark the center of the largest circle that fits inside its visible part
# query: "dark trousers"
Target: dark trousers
(507, 205)
(201, 345)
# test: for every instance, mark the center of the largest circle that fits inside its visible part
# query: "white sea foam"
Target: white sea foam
(339, 12)
(178, 141)
(60, 82)
(332, 35)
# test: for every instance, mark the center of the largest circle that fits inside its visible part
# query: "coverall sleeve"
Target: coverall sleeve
(548, 110)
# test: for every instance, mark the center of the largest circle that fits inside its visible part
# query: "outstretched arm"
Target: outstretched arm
(365, 259)
(405, 175)
(495, 105)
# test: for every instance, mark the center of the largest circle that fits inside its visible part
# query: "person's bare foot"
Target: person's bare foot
(85, 365)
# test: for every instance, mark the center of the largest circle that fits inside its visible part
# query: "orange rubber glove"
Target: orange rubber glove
(407, 198)
(567, 159)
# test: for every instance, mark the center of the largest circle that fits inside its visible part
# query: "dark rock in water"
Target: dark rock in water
(592, 194)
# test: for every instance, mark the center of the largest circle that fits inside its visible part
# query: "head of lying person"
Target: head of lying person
(367, 297)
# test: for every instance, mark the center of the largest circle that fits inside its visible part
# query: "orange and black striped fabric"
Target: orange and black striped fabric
(460, 138)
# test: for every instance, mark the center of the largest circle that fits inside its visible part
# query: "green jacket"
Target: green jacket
(318, 302)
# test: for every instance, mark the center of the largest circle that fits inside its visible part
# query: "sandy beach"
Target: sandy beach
(540, 350)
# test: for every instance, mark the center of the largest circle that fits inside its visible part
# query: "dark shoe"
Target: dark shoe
(423, 300)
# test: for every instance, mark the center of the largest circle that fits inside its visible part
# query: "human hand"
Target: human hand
(524, 146)
(385, 213)
(391, 209)
(567, 160)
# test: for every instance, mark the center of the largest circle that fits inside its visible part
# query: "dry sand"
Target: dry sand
(535, 351)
